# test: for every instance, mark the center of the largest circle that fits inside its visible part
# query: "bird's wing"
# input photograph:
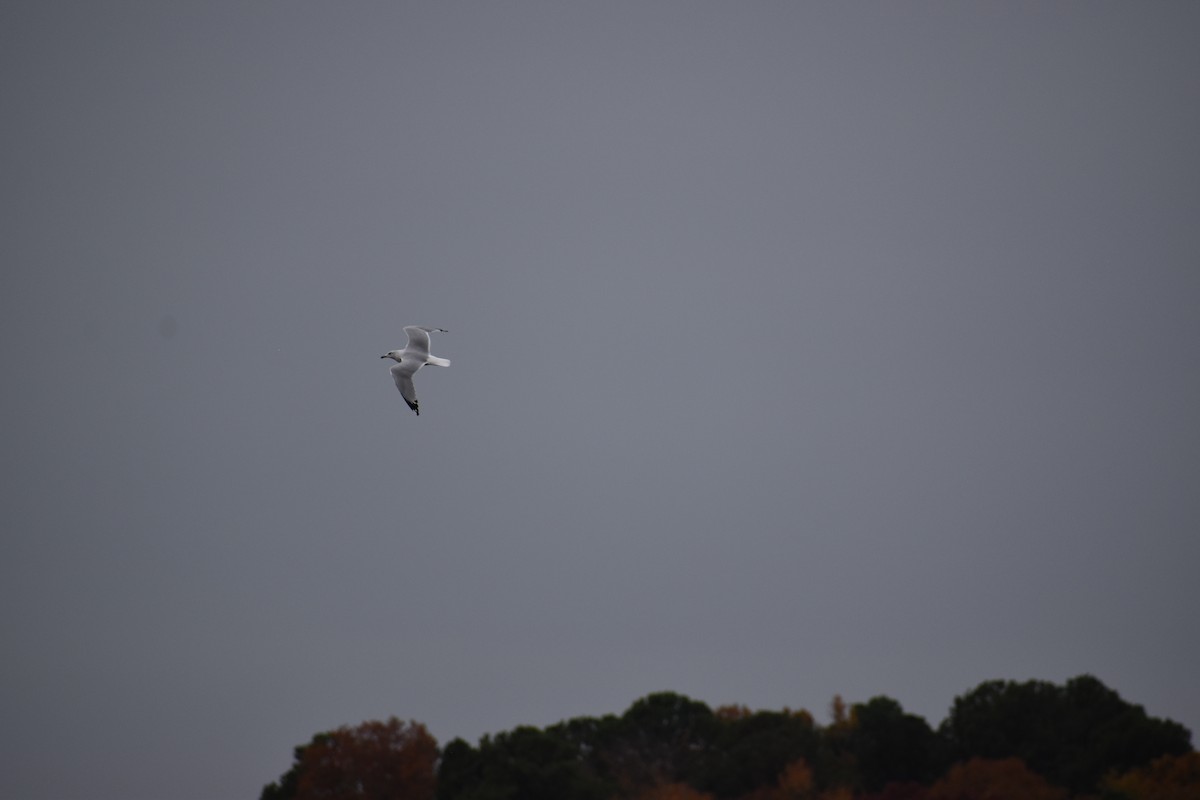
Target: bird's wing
(418, 338)
(402, 374)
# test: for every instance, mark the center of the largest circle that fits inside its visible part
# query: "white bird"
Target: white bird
(414, 356)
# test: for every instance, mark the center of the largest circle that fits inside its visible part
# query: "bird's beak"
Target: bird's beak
(383, 356)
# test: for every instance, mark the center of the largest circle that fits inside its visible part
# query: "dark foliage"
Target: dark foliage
(751, 751)
(1003, 737)
(373, 761)
(890, 746)
(1072, 735)
(526, 763)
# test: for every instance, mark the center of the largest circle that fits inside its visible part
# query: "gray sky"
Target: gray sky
(799, 349)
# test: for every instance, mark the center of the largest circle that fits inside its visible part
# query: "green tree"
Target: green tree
(1072, 735)
(659, 744)
(752, 751)
(526, 763)
(662, 739)
(460, 772)
(890, 746)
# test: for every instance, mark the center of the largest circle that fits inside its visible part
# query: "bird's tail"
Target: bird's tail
(438, 362)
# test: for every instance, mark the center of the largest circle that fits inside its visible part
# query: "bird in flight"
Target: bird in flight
(414, 356)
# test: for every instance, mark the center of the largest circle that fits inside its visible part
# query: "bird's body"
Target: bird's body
(414, 356)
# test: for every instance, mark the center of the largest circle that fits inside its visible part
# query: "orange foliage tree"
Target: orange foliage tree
(1166, 778)
(373, 761)
(796, 781)
(673, 791)
(993, 779)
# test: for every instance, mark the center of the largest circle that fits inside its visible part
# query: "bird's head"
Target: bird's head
(395, 355)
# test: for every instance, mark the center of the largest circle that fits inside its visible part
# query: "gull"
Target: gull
(414, 356)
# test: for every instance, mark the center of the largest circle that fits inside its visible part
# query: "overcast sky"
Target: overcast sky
(799, 349)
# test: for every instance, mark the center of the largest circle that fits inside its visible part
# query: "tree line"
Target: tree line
(1030, 740)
